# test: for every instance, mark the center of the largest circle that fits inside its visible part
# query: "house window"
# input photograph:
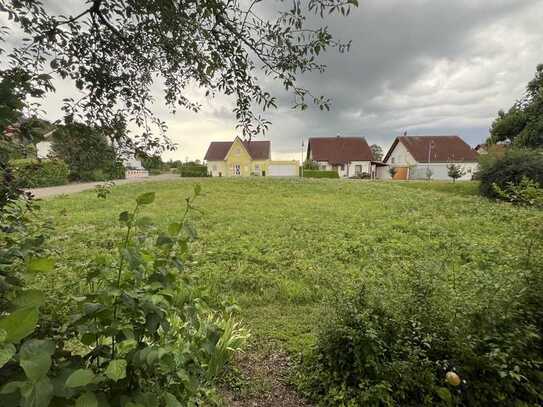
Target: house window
(257, 169)
(392, 160)
(238, 151)
(358, 169)
(214, 168)
(237, 169)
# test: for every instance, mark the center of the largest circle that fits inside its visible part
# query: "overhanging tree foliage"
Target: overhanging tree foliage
(522, 125)
(115, 50)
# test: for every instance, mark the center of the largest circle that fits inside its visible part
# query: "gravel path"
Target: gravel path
(75, 188)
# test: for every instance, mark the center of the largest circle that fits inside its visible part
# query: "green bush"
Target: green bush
(320, 174)
(380, 350)
(133, 331)
(193, 170)
(31, 173)
(515, 165)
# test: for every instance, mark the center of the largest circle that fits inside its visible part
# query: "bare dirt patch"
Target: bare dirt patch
(260, 379)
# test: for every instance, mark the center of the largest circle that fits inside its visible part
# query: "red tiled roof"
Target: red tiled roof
(258, 150)
(339, 150)
(443, 148)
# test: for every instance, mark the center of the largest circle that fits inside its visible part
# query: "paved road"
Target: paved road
(74, 188)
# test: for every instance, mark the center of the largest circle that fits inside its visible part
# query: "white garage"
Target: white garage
(288, 169)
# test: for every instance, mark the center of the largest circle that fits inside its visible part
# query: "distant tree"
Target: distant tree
(455, 171)
(115, 51)
(392, 171)
(86, 150)
(429, 174)
(522, 125)
(377, 152)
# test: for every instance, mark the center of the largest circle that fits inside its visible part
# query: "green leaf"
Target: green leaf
(87, 399)
(116, 369)
(37, 394)
(444, 394)
(35, 358)
(80, 377)
(19, 324)
(42, 265)
(6, 353)
(30, 298)
(124, 217)
(146, 199)
(171, 401)
(126, 346)
(11, 387)
(174, 228)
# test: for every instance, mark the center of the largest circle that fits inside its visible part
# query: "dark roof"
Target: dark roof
(339, 150)
(443, 148)
(258, 150)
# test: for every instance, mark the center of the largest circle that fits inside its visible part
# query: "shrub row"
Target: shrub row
(320, 174)
(30, 173)
(193, 171)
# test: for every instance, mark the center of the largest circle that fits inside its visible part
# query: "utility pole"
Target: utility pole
(302, 170)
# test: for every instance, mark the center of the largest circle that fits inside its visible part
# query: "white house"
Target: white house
(349, 156)
(416, 157)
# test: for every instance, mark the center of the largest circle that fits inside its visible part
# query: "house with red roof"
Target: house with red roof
(423, 157)
(242, 158)
(349, 156)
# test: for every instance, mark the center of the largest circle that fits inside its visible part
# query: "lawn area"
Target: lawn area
(283, 247)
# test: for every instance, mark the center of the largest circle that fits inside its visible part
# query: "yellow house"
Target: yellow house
(242, 158)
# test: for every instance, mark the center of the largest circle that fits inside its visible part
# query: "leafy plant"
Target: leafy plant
(526, 193)
(515, 165)
(103, 190)
(455, 171)
(31, 173)
(136, 332)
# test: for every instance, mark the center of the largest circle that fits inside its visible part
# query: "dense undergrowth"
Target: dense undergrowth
(130, 329)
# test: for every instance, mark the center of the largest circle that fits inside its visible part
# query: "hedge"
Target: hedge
(193, 171)
(30, 173)
(320, 174)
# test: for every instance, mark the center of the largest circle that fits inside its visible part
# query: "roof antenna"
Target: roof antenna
(405, 133)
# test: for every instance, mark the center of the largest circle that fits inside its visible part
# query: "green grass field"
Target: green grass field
(283, 248)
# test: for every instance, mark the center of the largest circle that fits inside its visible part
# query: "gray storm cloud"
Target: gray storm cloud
(424, 66)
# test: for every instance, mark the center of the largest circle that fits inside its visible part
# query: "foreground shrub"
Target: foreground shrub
(515, 165)
(526, 193)
(31, 173)
(133, 333)
(378, 353)
(320, 174)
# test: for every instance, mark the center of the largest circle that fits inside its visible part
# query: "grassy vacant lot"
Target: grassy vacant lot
(282, 248)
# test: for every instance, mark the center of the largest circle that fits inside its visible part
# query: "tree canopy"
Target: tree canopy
(522, 125)
(377, 152)
(115, 51)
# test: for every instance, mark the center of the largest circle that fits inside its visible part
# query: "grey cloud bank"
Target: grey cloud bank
(421, 66)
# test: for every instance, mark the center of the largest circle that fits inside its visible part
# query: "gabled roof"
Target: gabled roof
(339, 150)
(442, 148)
(258, 150)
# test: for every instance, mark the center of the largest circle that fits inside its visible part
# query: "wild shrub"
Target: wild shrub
(515, 165)
(30, 173)
(134, 333)
(320, 174)
(377, 352)
(526, 193)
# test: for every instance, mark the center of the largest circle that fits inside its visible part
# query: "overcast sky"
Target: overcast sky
(421, 66)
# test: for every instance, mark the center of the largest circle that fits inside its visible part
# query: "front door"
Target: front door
(401, 173)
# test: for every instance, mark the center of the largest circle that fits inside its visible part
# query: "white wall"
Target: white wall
(349, 170)
(400, 157)
(440, 171)
(43, 149)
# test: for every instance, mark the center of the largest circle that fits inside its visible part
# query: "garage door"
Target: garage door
(283, 170)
